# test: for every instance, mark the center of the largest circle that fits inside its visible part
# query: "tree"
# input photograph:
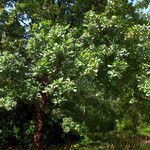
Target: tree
(92, 69)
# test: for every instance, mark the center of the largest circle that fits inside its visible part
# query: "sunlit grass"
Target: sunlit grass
(145, 131)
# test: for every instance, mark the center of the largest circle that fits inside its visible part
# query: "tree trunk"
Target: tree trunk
(134, 122)
(39, 121)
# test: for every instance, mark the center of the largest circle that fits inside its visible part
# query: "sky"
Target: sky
(147, 10)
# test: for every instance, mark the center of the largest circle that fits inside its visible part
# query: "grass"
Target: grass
(146, 147)
(145, 131)
(95, 144)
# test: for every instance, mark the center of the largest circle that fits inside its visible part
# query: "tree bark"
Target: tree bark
(39, 121)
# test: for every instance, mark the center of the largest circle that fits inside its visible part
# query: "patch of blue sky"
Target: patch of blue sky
(144, 10)
(25, 21)
(147, 10)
